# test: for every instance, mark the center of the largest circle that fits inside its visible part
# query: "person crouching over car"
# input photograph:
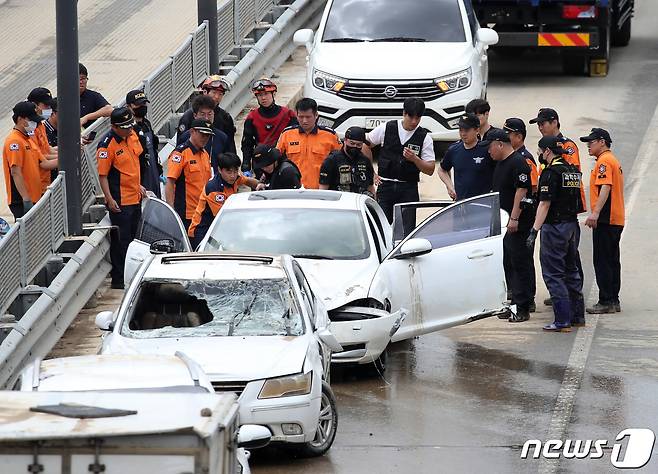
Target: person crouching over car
(278, 171)
(215, 193)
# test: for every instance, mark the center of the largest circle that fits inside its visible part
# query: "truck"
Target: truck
(582, 30)
(123, 433)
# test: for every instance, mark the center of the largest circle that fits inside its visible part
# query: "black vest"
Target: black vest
(392, 164)
(568, 203)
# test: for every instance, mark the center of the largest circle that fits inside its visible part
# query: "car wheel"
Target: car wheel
(327, 424)
(622, 36)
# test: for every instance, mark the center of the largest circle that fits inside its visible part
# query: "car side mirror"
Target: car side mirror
(329, 340)
(105, 321)
(253, 437)
(414, 248)
(487, 36)
(162, 246)
(304, 38)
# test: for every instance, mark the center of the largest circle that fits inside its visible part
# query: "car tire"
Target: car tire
(622, 36)
(327, 426)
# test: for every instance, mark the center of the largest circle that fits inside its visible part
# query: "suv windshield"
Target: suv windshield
(437, 21)
(259, 307)
(303, 233)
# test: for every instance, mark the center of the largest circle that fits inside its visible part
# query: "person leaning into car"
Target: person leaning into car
(406, 151)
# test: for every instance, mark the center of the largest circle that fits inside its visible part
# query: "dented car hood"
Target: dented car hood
(223, 358)
(339, 282)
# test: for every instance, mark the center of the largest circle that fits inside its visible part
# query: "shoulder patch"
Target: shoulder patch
(176, 158)
(602, 168)
(523, 177)
(544, 189)
(102, 154)
(14, 146)
(219, 197)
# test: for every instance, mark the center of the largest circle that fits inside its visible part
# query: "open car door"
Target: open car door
(449, 270)
(159, 221)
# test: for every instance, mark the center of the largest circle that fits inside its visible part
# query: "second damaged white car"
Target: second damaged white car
(379, 283)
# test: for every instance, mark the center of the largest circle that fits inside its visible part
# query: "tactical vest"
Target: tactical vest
(392, 164)
(568, 203)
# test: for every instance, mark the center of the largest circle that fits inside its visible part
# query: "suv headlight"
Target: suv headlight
(288, 386)
(327, 82)
(454, 82)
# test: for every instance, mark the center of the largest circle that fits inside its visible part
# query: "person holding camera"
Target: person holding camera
(512, 181)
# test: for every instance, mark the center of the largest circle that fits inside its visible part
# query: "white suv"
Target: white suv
(361, 66)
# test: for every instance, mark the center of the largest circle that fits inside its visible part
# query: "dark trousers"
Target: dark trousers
(607, 263)
(126, 221)
(560, 269)
(519, 265)
(390, 193)
(17, 210)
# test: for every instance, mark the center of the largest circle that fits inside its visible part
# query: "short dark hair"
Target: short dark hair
(306, 103)
(228, 161)
(82, 69)
(202, 102)
(523, 134)
(414, 107)
(478, 106)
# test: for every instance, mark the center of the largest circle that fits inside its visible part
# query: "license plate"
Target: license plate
(372, 122)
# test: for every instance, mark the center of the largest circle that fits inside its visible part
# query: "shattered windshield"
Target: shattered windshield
(325, 234)
(184, 308)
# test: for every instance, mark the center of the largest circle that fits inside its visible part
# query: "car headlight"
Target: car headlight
(288, 386)
(327, 82)
(454, 82)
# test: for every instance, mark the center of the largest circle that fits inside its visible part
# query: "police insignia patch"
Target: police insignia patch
(102, 154)
(14, 146)
(176, 158)
(523, 177)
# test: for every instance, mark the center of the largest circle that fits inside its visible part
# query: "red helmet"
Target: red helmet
(263, 85)
(215, 82)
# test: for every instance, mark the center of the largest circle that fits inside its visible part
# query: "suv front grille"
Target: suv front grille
(237, 387)
(389, 91)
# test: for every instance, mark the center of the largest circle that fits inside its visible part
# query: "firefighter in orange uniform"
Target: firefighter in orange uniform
(308, 144)
(43, 99)
(118, 156)
(216, 192)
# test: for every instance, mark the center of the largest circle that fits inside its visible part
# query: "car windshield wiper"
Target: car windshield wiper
(400, 39)
(232, 325)
(313, 256)
(344, 40)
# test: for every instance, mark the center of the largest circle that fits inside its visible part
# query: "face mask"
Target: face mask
(352, 151)
(46, 113)
(30, 127)
(140, 111)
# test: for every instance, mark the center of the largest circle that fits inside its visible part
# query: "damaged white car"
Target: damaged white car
(379, 283)
(254, 326)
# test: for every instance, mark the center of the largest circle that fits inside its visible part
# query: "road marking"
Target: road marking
(573, 374)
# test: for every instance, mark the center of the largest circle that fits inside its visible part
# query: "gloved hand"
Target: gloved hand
(530, 241)
(27, 205)
(247, 173)
(163, 179)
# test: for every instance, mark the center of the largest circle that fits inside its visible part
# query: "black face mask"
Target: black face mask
(352, 151)
(140, 111)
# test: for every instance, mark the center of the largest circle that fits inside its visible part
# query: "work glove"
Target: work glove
(530, 241)
(27, 205)
(163, 179)
(247, 173)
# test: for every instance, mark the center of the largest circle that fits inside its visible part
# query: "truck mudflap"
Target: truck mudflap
(363, 332)
(580, 40)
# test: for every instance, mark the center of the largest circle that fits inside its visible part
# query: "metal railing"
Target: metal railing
(32, 241)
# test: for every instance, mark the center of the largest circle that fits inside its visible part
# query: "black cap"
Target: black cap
(265, 155)
(28, 110)
(496, 135)
(552, 143)
(136, 97)
(545, 115)
(356, 133)
(202, 126)
(469, 121)
(514, 125)
(40, 95)
(122, 117)
(597, 134)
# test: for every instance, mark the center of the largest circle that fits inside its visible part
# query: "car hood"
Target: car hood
(233, 358)
(338, 282)
(373, 60)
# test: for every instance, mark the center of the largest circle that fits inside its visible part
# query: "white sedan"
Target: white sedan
(252, 323)
(379, 283)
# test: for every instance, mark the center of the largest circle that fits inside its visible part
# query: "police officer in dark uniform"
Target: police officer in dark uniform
(277, 171)
(511, 180)
(348, 169)
(557, 217)
(150, 168)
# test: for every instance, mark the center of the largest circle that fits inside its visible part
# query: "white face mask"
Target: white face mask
(30, 127)
(46, 113)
